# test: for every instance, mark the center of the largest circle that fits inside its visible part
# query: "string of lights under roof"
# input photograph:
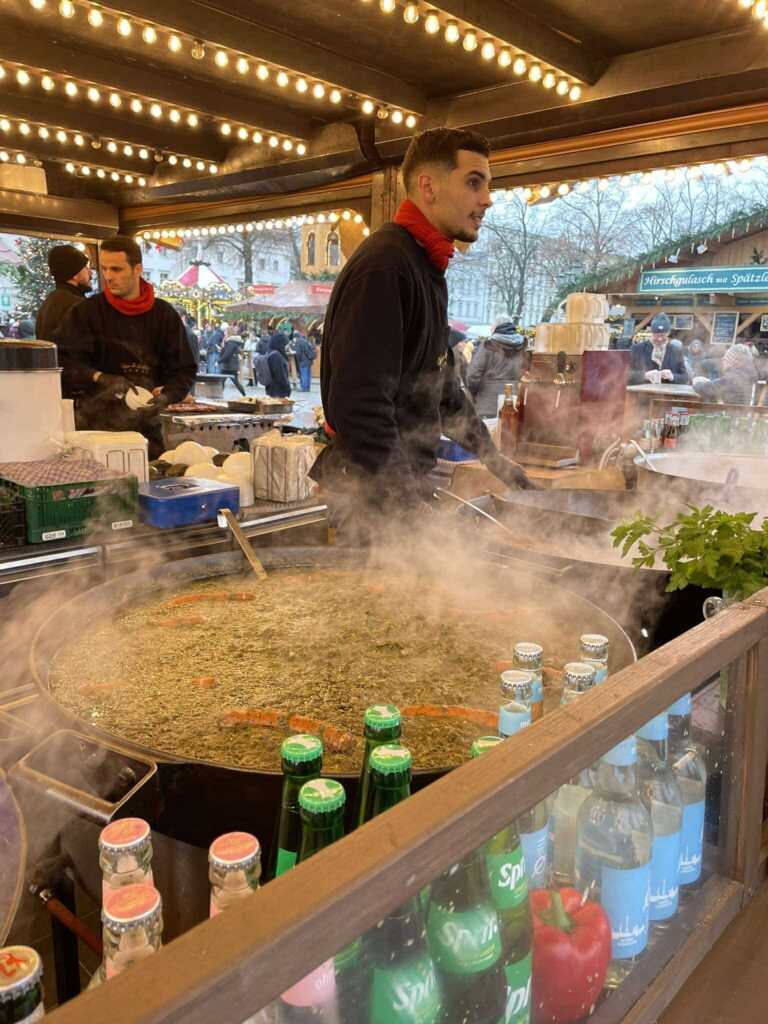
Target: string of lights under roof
(76, 89)
(759, 9)
(48, 132)
(273, 224)
(489, 47)
(18, 157)
(153, 34)
(104, 173)
(666, 175)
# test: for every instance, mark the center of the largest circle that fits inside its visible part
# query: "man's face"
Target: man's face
(659, 338)
(119, 276)
(457, 200)
(83, 277)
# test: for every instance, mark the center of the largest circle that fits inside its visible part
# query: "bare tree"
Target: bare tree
(591, 226)
(242, 251)
(511, 241)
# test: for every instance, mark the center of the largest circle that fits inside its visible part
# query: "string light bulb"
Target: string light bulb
(257, 137)
(144, 153)
(505, 57)
(221, 59)
(535, 72)
(545, 191)
(24, 128)
(282, 79)
(136, 105)
(128, 150)
(368, 106)
(432, 22)
(262, 72)
(67, 9)
(411, 14)
(549, 80)
(242, 133)
(242, 66)
(564, 189)
(287, 145)
(124, 27)
(410, 121)
(93, 94)
(470, 40)
(318, 91)
(156, 110)
(226, 128)
(563, 87)
(47, 83)
(115, 100)
(37, 4)
(70, 89)
(334, 96)
(397, 117)
(197, 50)
(79, 140)
(61, 136)
(488, 49)
(174, 115)
(193, 120)
(174, 43)
(95, 18)
(574, 93)
(387, 6)
(301, 85)
(452, 32)
(301, 149)
(149, 34)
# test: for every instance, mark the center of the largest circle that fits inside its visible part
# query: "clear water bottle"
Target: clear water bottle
(515, 702)
(613, 856)
(133, 928)
(125, 854)
(234, 868)
(594, 649)
(688, 764)
(529, 657)
(663, 799)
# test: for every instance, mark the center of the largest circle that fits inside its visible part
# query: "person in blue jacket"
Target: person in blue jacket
(659, 355)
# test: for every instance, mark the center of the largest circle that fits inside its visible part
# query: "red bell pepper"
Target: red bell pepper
(571, 952)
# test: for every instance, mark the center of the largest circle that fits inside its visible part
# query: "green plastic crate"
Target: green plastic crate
(58, 511)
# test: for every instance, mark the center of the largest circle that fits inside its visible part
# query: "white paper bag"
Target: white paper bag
(280, 467)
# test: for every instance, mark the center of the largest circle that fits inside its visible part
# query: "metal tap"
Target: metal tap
(561, 381)
(528, 379)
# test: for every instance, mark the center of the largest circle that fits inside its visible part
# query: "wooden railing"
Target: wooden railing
(225, 969)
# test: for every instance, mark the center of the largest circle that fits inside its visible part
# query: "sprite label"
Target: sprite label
(509, 882)
(464, 942)
(407, 995)
(518, 977)
(286, 859)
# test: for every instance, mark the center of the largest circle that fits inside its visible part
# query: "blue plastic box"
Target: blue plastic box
(180, 501)
(452, 452)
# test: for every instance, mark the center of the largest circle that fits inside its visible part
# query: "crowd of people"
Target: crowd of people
(280, 360)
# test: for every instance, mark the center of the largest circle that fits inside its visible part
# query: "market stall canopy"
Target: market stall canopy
(300, 297)
(202, 275)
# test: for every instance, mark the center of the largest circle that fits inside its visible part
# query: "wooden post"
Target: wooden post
(386, 194)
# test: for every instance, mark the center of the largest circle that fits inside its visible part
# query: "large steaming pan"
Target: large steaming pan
(192, 799)
(734, 482)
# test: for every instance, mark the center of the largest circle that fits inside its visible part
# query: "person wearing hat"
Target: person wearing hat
(658, 360)
(501, 360)
(70, 270)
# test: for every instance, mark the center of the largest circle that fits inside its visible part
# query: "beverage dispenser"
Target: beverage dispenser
(30, 400)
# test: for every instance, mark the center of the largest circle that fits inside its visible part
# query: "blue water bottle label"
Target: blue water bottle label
(682, 706)
(692, 843)
(535, 853)
(537, 689)
(512, 720)
(656, 729)
(665, 857)
(601, 670)
(625, 897)
(623, 754)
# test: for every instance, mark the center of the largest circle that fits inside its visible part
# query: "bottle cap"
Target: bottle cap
(301, 748)
(577, 675)
(595, 645)
(123, 834)
(234, 850)
(529, 655)
(484, 743)
(131, 905)
(320, 796)
(20, 969)
(516, 683)
(382, 716)
(390, 759)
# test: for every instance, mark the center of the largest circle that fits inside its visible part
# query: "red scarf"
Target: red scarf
(143, 304)
(440, 247)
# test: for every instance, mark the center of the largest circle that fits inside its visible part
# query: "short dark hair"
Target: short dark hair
(441, 146)
(122, 243)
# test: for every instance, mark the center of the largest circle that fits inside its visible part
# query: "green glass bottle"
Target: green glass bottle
(390, 771)
(21, 990)
(301, 759)
(381, 724)
(505, 865)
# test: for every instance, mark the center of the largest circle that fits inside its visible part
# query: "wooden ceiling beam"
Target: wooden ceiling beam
(59, 58)
(100, 122)
(510, 22)
(27, 211)
(221, 23)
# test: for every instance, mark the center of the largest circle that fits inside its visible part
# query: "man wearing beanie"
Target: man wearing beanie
(121, 339)
(69, 268)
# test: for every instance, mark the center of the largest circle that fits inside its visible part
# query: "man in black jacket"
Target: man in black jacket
(658, 356)
(118, 340)
(388, 381)
(70, 270)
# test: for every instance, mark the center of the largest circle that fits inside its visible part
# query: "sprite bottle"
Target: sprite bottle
(505, 865)
(403, 985)
(530, 658)
(21, 989)
(689, 766)
(313, 1000)
(301, 759)
(381, 724)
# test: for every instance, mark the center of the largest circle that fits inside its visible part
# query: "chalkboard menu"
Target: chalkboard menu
(724, 328)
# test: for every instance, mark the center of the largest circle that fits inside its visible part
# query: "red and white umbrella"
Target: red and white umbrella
(200, 275)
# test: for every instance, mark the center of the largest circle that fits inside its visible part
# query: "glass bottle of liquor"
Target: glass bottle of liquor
(594, 649)
(508, 422)
(21, 988)
(505, 865)
(613, 856)
(133, 928)
(403, 985)
(301, 759)
(381, 724)
(465, 943)
(234, 867)
(663, 799)
(578, 678)
(125, 854)
(313, 1000)
(530, 658)
(689, 766)
(515, 701)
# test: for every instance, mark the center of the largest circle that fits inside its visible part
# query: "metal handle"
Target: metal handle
(243, 543)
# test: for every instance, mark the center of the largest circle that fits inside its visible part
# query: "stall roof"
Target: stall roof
(114, 89)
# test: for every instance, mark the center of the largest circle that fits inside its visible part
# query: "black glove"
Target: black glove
(115, 386)
(158, 404)
(511, 473)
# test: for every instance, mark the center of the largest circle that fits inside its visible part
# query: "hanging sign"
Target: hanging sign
(262, 289)
(320, 289)
(724, 327)
(705, 279)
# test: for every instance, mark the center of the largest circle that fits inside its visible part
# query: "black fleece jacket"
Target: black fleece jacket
(55, 307)
(388, 383)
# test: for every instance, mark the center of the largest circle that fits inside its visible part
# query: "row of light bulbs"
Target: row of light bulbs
(86, 171)
(25, 76)
(18, 158)
(273, 141)
(489, 47)
(759, 9)
(222, 57)
(279, 224)
(668, 175)
(47, 132)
